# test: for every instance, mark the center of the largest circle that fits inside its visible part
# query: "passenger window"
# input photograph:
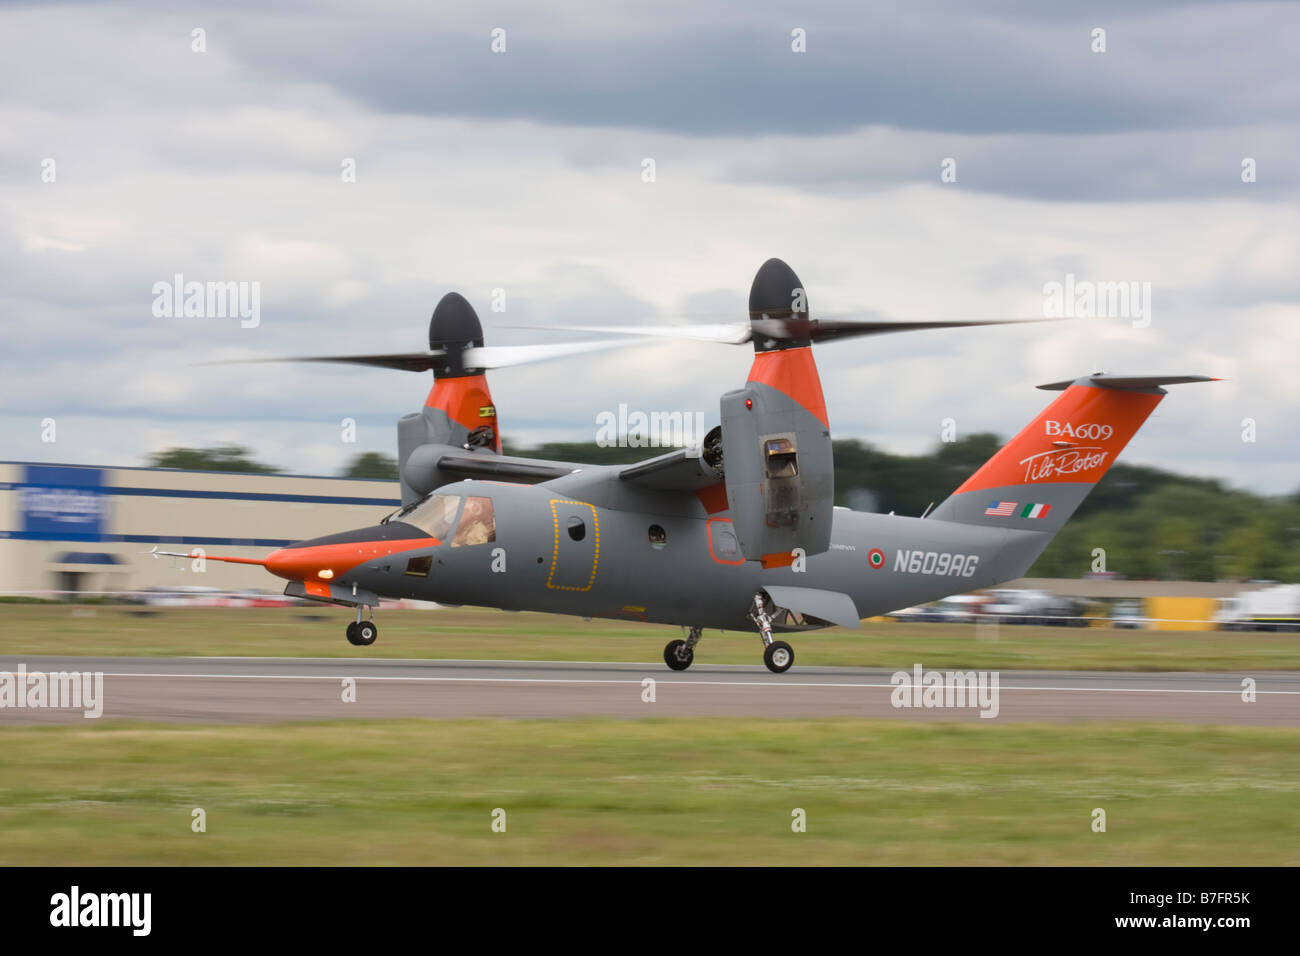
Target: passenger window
(577, 528)
(477, 523)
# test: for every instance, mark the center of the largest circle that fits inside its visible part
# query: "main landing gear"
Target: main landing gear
(679, 654)
(362, 633)
(777, 655)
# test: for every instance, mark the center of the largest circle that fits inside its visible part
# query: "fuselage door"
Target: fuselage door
(576, 551)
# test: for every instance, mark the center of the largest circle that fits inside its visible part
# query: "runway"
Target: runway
(229, 690)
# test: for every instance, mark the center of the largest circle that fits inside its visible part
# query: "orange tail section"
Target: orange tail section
(1038, 479)
(1075, 439)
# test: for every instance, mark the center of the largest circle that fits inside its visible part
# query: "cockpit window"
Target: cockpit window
(477, 523)
(434, 515)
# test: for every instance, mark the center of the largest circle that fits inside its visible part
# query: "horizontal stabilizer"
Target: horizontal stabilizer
(1132, 382)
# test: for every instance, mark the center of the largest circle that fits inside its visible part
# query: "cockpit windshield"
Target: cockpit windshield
(434, 515)
(477, 523)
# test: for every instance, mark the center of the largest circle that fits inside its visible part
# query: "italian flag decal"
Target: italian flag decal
(876, 558)
(1035, 511)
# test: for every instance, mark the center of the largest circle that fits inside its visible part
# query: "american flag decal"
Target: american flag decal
(1001, 509)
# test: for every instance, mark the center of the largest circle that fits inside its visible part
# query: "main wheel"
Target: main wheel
(362, 634)
(678, 656)
(778, 657)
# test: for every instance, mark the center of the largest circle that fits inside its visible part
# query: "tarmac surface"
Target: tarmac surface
(242, 689)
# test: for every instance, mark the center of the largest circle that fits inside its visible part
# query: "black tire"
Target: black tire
(678, 656)
(778, 656)
(364, 634)
(352, 632)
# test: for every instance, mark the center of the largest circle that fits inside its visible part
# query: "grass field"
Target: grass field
(485, 634)
(655, 791)
(649, 792)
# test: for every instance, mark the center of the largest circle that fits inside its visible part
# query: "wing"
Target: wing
(503, 467)
(680, 470)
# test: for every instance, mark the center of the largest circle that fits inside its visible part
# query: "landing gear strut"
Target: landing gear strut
(679, 654)
(362, 633)
(777, 655)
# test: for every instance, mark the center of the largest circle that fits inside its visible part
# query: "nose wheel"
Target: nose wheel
(679, 654)
(362, 633)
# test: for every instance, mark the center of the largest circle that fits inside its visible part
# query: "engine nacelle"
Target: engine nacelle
(779, 474)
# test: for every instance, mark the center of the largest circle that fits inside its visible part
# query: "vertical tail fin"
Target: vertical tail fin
(1038, 479)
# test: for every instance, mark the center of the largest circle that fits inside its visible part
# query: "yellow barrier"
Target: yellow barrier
(1181, 613)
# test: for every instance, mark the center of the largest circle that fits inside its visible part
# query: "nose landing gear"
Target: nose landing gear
(362, 633)
(679, 654)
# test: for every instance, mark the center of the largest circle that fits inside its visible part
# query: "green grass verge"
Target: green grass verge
(486, 634)
(661, 791)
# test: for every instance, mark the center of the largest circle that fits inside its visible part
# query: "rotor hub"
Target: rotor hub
(778, 308)
(453, 328)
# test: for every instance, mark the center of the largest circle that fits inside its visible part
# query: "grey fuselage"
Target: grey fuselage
(882, 562)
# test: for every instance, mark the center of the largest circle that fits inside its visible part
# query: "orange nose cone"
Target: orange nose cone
(319, 563)
(329, 562)
(286, 563)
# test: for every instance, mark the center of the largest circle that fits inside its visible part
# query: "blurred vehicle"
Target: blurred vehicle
(961, 608)
(1028, 606)
(922, 612)
(1268, 609)
(194, 596)
(1128, 614)
(179, 596)
(253, 597)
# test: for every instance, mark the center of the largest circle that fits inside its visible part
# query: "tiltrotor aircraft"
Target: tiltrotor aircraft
(740, 533)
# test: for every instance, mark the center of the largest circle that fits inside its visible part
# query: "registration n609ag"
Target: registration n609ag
(936, 562)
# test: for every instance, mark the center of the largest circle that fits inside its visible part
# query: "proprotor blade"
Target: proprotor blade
(779, 318)
(505, 356)
(456, 347)
(475, 357)
(823, 330)
(726, 333)
(402, 361)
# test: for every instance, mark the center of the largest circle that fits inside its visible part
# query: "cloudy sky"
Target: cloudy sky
(522, 170)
